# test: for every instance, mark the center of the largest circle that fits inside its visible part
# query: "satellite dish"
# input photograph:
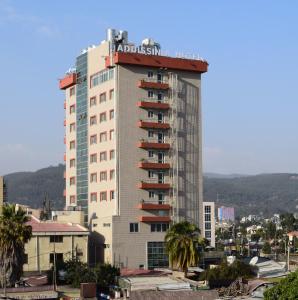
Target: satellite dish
(253, 261)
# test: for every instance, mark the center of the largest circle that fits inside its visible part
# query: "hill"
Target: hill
(254, 194)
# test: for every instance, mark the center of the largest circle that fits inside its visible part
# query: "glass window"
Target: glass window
(151, 194)
(102, 117)
(72, 145)
(150, 94)
(58, 257)
(207, 226)
(150, 153)
(112, 174)
(150, 114)
(102, 98)
(103, 196)
(103, 137)
(56, 238)
(112, 195)
(72, 181)
(156, 255)
(93, 197)
(207, 217)
(93, 177)
(72, 163)
(111, 94)
(101, 77)
(72, 91)
(160, 96)
(92, 101)
(103, 156)
(93, 139)
(103, 176)
(112, 154)
(112, 134)
(133, 227)
(111, 114)
(207, 234)
(72, 199)
(150, 74)
(72, 127)
(93, 158)
(150, 133)
(72, 109)
(92, 120)
(150, 174)
(207, 209)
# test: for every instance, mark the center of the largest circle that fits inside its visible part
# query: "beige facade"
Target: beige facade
(138, 135)
(65, 240)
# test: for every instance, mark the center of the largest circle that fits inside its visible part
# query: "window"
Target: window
(101, 77)
(112, 154)
(72, 91)
(72, 181)
(106, 224)
(156, 255)
(208, 209)
(112, 133)
(112, 195)
(72, 163)
(207, 226)
(93, 139)
(111, 94)
(151, 194)
(102, 98)
(150, 114)
(150, 153)
(150, 94)
(72, 109)
(72, 199)
(72, 127)
(25, 258)
(207, 234)
(93, 177)
(56, 238)
(133, 227)
(93, 197)
(160, 96)
(150, 74)
(150, 174)
(159, 227)
(103, 156)
(93, 158)
(150, 134)
(112, 174)
(207, 217)
(72, 145)
(103, 176)
(58, 257)
(102, 117)
(103, 137)
(103, 196)
(92, 101)
(111, 114)
(92, 120)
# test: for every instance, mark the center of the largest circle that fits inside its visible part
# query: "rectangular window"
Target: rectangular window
(56, 238)
(207, 226)
(93, 197)
(159, 227)
(103, 176)
(72, 127)
(103, 156)
(25, 258)
(103, 137)
(72, 181)
(93, 158)
(72, 109)
(72, 163)
(133, 227)
(72, 145)
(150, 153)
(72, 91)
(106, 224)
(157, 256)
(93, 177)
(92, 120)
(208, 234)
(102, 117)
(112, 174)
(111, 114)
(111, 94)
(112, 195)
(72, 199)
(160, 96)
(150, 74)
(101, 77)
(208, 217)
(58, 257)
(103, 196)
(150, 134)
(150, 94)
(151, 194)
(208, 209)
(102, 98)
(112, 133)
(93, 139)
(150, 174)
(92, 101)
(150, 114)
(112, 154)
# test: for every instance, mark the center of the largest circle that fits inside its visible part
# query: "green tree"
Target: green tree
(14, 233)
(288, 222)
(270, 230)
(286, 289)
(181, 244)
(266, 249)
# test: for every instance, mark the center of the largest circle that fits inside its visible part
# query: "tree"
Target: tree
(288, 222)
(286, 289)
(181, 245)
(266, 249)
(270, 230)
(14, 233)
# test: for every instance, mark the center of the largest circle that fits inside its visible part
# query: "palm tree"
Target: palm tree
(14, 233)
(181, 241)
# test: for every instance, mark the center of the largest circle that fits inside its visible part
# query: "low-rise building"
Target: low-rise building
(50, 240)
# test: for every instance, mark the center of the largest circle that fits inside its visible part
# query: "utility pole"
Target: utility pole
(54, 271)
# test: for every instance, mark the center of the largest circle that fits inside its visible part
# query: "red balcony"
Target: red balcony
(154, 186)
(146, 84)
(149, 219)
(154, 125)
(153, 104)
(68, 81)
(153, 206)
(154, 145)
(153, 165)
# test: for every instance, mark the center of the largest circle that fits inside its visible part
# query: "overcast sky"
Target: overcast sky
(250, 107)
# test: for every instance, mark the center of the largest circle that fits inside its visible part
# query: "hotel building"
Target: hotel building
(133, 147)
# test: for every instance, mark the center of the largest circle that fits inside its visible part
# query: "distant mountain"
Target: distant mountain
(255, 194)
(30, 188)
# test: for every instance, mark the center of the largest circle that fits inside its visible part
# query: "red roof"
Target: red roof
(50, 226)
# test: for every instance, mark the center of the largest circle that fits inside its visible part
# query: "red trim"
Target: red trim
(158, 62)
(64, 157)
(67, 81)
(64, 193)
(154, 219)
(148, 104)
(153, 206)
(152, 85)
(147, 145)
(146, 165)
(159, 186)
(156, 125)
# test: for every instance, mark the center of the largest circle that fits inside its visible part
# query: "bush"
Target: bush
(287, 289)
(266, 248)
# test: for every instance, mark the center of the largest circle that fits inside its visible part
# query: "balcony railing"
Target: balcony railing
(154, 103)
(154, 183)
(153, 123)
(153, 83)
(154, 205)
(154, 164)
(149, 219)
(153, 144)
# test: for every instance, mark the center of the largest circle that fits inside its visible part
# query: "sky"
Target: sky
(249, 95)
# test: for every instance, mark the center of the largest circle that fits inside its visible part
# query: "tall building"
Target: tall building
(133, 146)
(209, 222)
(226, 214)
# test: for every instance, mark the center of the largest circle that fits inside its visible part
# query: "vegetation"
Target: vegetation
(14, 233)
(286, 289)
(266, 249)
(182, 240)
